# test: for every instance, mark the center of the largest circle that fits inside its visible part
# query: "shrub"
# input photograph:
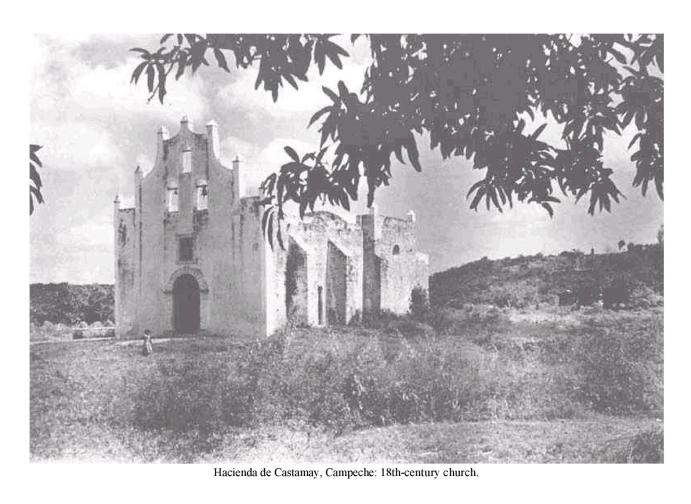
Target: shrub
(454, 365)
(622, 370)
(419, 303)
(197, 394)
(77, 334)
(520, 282)
(68, 304)
(646, 447)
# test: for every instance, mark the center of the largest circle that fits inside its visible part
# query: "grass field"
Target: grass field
(478, 386)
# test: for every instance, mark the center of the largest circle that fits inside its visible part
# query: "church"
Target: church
(191, 257)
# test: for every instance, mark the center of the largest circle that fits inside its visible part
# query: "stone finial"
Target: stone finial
(117, 199)
(238, 181)
(185, 124)
(214, 145)
(411, 216)
(163, 133)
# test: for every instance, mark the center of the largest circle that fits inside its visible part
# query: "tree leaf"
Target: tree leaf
(537, 132)
(150, 74)
(221, 59)
(291, 152)
(330, 94)
(138, 71)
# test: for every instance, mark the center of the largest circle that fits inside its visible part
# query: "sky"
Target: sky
(96, 128)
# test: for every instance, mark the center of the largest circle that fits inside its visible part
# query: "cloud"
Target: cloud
(240, 94)
(96, 127)
(75, 145)
(89, 234)
(232, 146)
(65, 88)
(269, 159)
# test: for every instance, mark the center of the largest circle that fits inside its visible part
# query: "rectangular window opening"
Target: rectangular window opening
(186, 249)
(202, 198)
(172, 199)
(186, 161)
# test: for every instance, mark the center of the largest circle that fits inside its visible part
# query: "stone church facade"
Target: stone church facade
(190, 256)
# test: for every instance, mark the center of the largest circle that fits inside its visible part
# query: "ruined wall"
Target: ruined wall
(246, 313)
(392, 264)
(296, 284)
(402, 266)
(336, 285)
(371, 263)
(125, 265)
(342, 269)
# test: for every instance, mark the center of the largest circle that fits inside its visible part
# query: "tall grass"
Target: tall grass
(449, 365)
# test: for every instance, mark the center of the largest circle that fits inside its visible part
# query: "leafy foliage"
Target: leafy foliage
(192, 395)
(480, 367)
(63, 303)
(526, 280)
(646, 447)
(279, 57)
(622, 371)
(35, 183)
(472, 94)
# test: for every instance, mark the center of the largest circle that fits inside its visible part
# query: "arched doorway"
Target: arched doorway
(186, 304)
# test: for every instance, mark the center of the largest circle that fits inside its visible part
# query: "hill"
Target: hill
(526, 280)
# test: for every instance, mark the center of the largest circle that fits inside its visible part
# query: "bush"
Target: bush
(68, 304)
(197, 394)
(622, 370)
(419, 303)
(455, 365)
(77, 334)
(646, 447)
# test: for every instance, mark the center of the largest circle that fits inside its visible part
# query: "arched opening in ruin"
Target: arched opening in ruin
(396, 250)
(186, 303)
(296, 284)
(336, 285)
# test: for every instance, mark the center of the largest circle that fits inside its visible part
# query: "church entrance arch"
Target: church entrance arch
(186, 304)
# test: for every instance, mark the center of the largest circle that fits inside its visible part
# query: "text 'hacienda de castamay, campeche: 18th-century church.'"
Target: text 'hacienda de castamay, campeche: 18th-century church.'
(191, 256)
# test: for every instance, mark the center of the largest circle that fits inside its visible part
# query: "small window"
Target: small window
(122, 232)
(172, 199)
(320, 305)
(186, 249)
(202, 197)
(187, 161)
(396, 250)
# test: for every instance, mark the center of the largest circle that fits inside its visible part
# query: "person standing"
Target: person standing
(147, 348)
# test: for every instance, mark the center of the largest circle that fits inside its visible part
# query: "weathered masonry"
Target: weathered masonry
(190, 255)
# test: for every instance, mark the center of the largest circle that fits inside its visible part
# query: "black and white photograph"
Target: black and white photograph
(347, 251)
(412, 248)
